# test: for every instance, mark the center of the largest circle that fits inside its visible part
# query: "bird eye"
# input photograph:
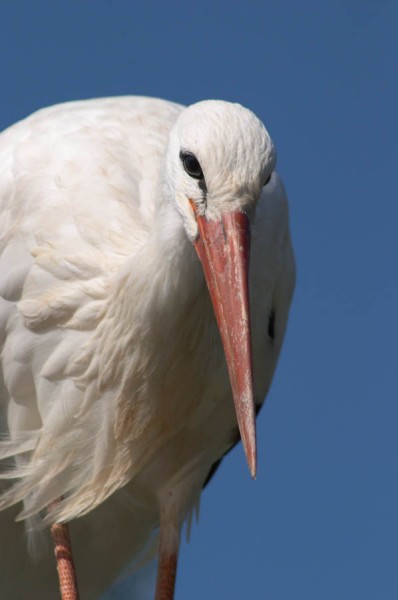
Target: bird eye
(191, 165)
(267, 180)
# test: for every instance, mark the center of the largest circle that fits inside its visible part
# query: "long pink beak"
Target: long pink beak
(223, 247)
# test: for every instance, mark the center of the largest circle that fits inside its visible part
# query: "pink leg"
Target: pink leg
(64, 559)
(167, 569)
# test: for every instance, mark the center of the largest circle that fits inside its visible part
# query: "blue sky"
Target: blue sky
(320, 522)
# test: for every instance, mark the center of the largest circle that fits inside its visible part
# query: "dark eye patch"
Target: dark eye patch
(266, 182)
(191, 165)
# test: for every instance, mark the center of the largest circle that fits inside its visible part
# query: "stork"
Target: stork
(136, 343)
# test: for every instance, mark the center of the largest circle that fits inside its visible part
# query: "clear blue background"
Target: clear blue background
(321, 520)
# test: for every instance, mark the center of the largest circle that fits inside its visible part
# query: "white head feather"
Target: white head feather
(236, 155)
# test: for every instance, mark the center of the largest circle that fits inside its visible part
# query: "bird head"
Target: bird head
(219, 158)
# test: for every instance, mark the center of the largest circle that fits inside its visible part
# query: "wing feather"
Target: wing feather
(76, 202)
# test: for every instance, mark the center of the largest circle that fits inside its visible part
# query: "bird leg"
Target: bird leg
(64, 558)
(167, 563)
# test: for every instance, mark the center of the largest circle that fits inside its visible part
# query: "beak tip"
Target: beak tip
(251, 454)
(253, 466)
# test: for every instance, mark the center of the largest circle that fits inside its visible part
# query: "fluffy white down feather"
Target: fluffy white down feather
(113, 390)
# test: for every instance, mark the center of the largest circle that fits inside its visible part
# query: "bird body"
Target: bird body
(114, 392)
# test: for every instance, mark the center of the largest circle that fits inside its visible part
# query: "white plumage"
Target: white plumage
(114, 389)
